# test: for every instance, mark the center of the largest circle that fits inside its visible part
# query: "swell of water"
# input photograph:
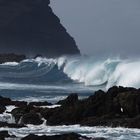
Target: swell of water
(109, 72)
(84, 70)
(50, 79)
(106, 132)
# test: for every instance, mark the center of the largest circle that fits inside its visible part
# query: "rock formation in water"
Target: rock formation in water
(70, 136)
(30, 27)
(117, 107)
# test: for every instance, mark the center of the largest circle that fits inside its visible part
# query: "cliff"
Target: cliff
(30, 27)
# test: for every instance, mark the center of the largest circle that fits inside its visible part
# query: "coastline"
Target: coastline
(117, 107)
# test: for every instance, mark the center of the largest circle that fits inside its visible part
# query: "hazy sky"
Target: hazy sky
(109, 27)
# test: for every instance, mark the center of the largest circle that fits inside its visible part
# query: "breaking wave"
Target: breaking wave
(85, 70)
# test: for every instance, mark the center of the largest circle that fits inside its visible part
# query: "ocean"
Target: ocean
(53, 79)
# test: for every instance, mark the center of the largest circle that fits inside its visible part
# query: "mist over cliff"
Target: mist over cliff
(30, 27)
(102, 28)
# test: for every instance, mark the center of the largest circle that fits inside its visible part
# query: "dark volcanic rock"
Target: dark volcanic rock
(7, 101)
(2, 109)
(5, 124)
(11, 57)
(130, 103)
(118, 107)
(28, 114)
(3, 135)
(71, 136)
(31, 118)
(40, 104)
(71, 99)
(25, 114)
(18, 103)
(30, 27)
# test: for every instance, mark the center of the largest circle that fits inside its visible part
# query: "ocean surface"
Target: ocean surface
(44, 79)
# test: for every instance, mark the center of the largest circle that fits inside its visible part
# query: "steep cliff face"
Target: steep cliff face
(30, 27)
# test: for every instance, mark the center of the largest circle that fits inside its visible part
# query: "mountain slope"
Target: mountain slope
(30, 27)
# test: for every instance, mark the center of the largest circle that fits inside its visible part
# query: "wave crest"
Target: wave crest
(85, 70)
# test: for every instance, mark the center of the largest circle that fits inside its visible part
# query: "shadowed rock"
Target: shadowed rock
(7, 101)
(71, 99)
(117, 107)
(3, 135)
(2, 109)
(5, 124)
(30, 27)
(40, 104)
(71, 136)
(31, 118)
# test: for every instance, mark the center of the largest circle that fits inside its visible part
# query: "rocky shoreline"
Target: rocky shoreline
(69, 136)
(118, 106)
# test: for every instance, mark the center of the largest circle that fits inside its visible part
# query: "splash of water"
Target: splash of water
(84, 70)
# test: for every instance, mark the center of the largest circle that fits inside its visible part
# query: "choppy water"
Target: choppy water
(106, 132)
(44, 79)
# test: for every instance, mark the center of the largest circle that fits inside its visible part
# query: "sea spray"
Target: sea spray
(7, 116)
(76, 69)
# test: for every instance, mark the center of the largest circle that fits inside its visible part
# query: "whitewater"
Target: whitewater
(53, 79)
(118, 133)
(76, 69)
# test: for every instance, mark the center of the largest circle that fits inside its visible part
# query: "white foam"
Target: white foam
(106, 132)
(111, 71)
(51, 106)
(10, 64)
(51, 99)
(6, 116)
(9, 108)
(84, 70)
(126, 74)
(87, 71)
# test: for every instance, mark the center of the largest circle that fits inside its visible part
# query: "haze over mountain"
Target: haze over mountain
(102, 27)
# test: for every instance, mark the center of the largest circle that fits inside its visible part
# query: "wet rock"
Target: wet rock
(134, 122)
(2, 109)
(117, 107)
(70, 100)
(19, 112)
(3, 135)
(18, 103)
(5, 124)
(129, 103)
(40, 104)
(75, 113)
(5, 101)
(31, 118)
(71, 136)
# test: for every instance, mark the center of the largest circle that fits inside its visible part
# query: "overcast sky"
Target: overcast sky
(102, 27)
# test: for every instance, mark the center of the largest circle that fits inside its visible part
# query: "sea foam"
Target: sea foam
(86, 70)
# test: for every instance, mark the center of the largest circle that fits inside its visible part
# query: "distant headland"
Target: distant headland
(30, 27)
